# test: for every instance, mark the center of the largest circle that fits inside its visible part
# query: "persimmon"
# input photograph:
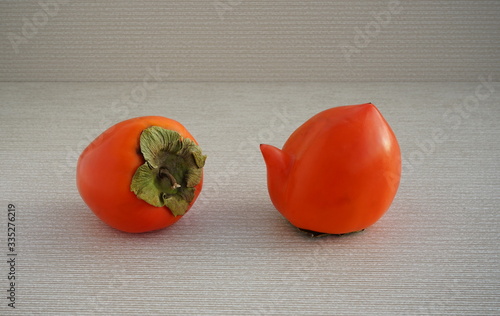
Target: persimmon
(337, 173)
(142, 174)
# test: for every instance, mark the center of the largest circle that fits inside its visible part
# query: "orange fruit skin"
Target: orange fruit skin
(343, 169)
(105, 170)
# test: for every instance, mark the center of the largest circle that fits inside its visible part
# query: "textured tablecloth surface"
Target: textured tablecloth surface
(436, 251)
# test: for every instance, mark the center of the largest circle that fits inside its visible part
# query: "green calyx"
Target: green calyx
(173, 167)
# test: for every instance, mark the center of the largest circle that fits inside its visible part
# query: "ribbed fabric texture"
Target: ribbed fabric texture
(435, 252)
(252, 40)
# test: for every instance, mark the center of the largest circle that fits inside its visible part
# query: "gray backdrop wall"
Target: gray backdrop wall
(249, 40)
(435, 252)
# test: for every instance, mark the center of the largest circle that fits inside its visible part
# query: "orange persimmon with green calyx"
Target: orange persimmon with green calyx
(337, 173)
(141, 174)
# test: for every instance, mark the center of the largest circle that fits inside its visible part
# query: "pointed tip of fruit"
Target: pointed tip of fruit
(261, 146)
(368, 109)
(369, 105)
(276, 159)
(270, 152)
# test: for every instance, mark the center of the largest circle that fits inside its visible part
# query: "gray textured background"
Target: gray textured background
(70, 69)
(251, 40)
(436, 250)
